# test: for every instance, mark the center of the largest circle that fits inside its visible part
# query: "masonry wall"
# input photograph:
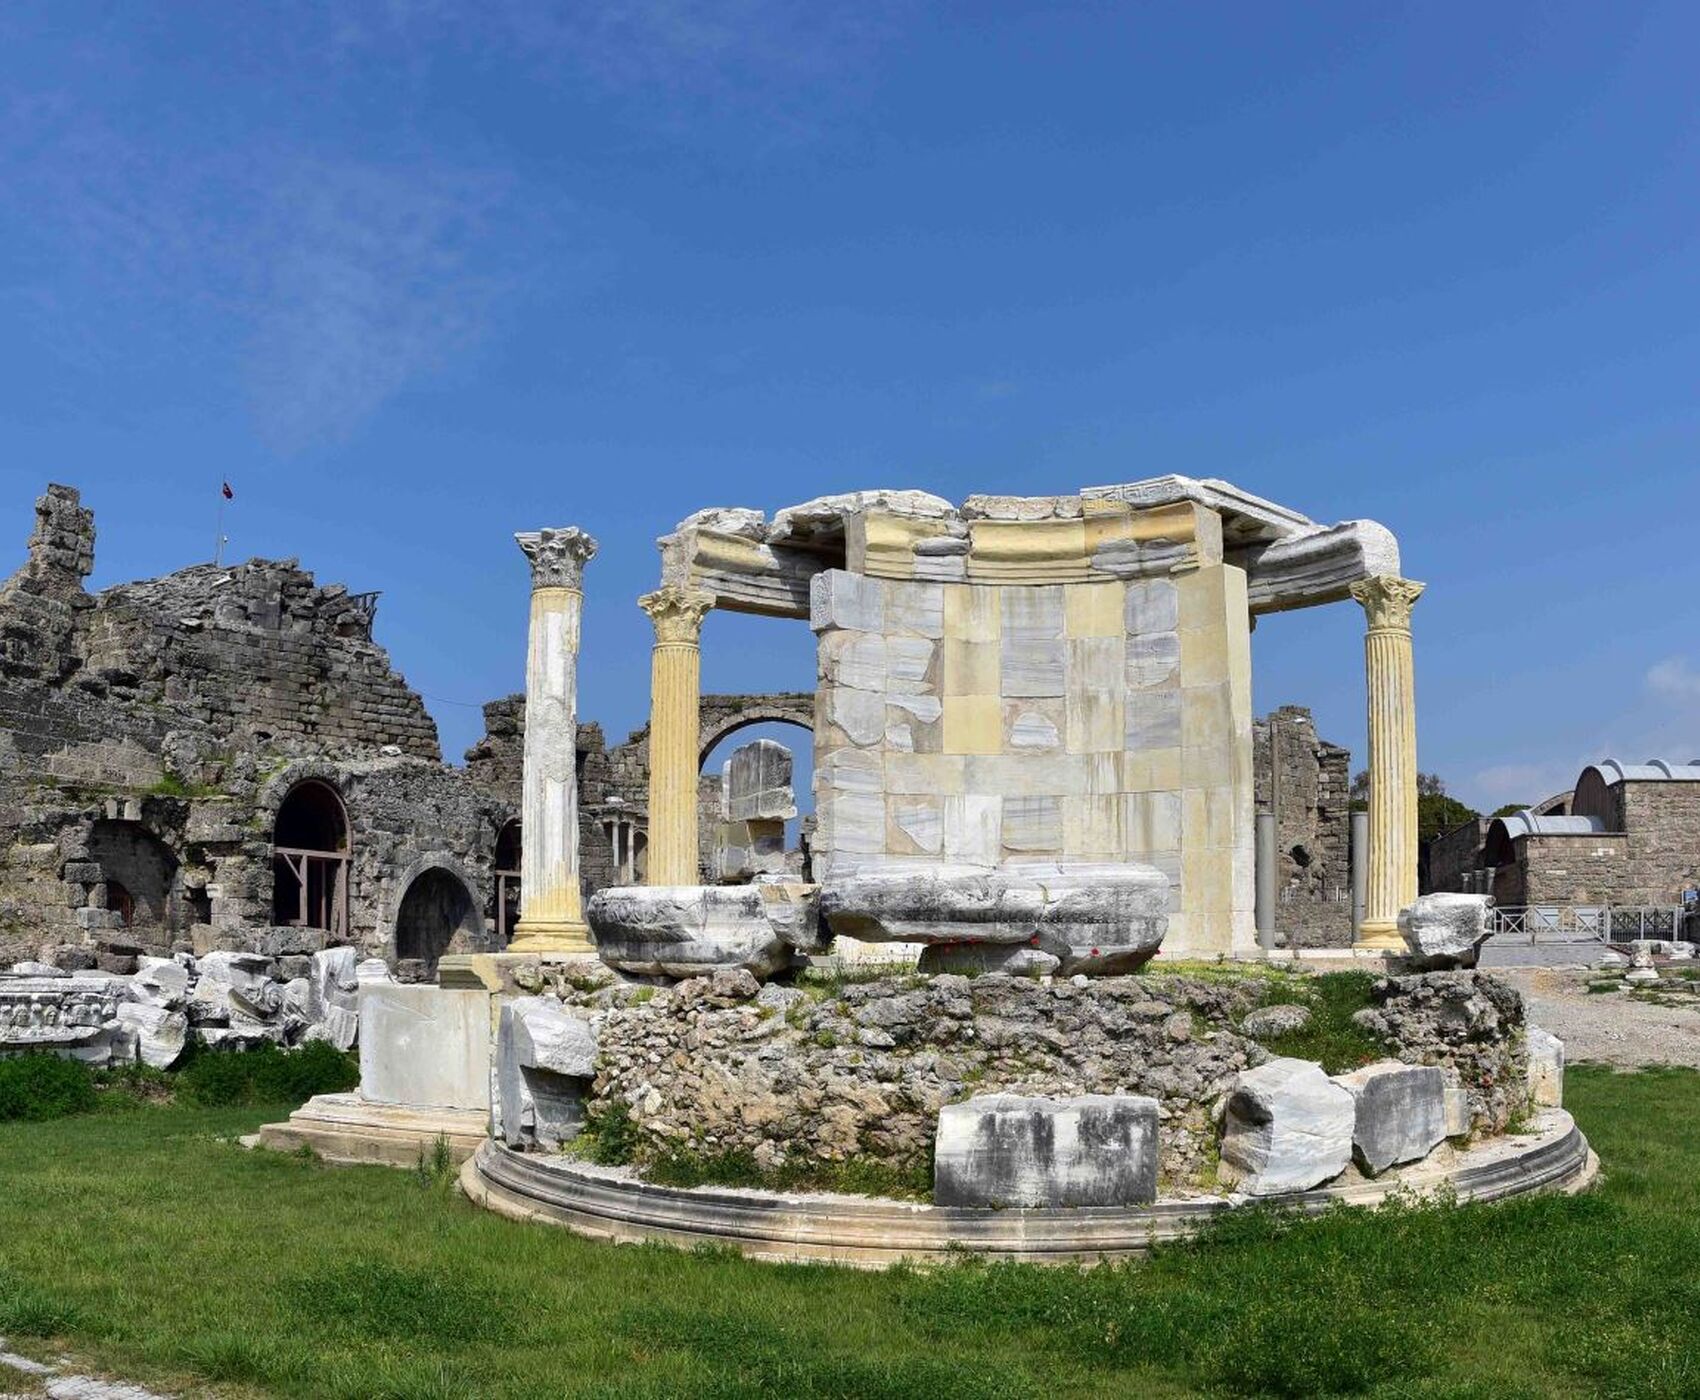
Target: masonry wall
(1452, 862)
(149, 731)
(1306, 781)
(1005, 724)
(1587, 870)
(1662, 821)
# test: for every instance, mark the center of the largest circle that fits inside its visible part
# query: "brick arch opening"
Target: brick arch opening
(310, 850)
(435, 911)
(138, 873)
(722, 715)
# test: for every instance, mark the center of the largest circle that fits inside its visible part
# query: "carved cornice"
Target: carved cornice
(677, 613)
(557, 556)
(1387, 600)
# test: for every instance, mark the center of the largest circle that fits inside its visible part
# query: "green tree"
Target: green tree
(1436, 812)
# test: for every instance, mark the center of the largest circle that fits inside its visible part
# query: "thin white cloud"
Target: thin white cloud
(1674, 679)
(328, 280)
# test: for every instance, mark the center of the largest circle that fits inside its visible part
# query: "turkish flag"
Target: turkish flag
(229, 495)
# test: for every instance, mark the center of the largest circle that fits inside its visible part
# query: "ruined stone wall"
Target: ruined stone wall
(1305, 781)
(613, 782)
(497, 761)
(149, 732)
(245, 655)
(706, 1067)
(1453, 860)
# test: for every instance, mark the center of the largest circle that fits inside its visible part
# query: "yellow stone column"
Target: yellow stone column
(1387, 601)
(551, 914)
(675, 683)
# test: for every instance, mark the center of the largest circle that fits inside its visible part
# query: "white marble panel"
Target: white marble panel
(973, 829)
(1153, 605)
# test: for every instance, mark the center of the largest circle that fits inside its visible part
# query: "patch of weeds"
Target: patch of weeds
(172, 785)
(37, 1088)
(1609, 984)
(28, 1311)
(610, 1137)
(216, 1079)
(638, 996)
(435, 1170)
(1332, 1038)
(125, 1087)
(858, 1176)
(825, 1039)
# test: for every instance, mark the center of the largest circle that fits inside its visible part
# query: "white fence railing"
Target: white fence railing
(1586, 923)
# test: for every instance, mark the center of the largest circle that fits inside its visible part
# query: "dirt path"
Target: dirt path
(1609, 1028)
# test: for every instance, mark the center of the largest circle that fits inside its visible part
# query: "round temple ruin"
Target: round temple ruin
(1016, 990)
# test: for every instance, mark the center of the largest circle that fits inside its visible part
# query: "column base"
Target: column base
(561, 936)
(1380, 936)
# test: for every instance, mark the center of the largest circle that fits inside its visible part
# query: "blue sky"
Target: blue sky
(415, 275)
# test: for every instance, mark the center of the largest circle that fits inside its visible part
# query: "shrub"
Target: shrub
(268, 1075)
(613, 1136)
(35, 1088)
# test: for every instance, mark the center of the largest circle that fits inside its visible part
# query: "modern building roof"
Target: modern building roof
(1527, 823)
(1654, 770)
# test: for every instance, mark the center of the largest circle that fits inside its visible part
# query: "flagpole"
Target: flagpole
(218, 538)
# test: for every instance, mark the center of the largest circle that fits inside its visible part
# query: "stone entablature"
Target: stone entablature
(751, 564)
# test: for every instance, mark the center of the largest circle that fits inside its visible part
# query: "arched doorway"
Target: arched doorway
(737, 732)
(138, 872)
(310, 850)
(505, 898)
(436, 909)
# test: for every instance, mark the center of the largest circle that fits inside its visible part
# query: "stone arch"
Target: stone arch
(721, 715)
(138, 873)
(311, 844)
(435, 909)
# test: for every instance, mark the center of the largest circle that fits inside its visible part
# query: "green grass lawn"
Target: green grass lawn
(151, 1245)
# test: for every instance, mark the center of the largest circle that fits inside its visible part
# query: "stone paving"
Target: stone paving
(1607, 1028)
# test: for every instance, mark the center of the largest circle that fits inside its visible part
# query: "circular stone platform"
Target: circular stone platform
(613, 1204)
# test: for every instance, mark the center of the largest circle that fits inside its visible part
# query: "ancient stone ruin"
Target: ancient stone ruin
(1038, 790)
(1036, 771)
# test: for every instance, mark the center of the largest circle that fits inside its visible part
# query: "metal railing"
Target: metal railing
(1585, 923)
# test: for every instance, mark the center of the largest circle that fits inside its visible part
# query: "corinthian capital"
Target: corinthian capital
(1388, 599)
(677, 612)
(557, 556)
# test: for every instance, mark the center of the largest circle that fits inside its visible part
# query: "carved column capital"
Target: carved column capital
(557, 556)
(677, 613)
(1387, 600)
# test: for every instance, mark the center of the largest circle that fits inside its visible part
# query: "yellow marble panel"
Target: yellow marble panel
(1020, 551)
(1151, 770)
(1092, 826)
(973, 723)
(971, 668)
(972, 613)
(1094, 609)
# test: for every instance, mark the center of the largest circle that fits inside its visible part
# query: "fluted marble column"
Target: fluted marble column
(551, 912)
(1387, 601)
(675, 684)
